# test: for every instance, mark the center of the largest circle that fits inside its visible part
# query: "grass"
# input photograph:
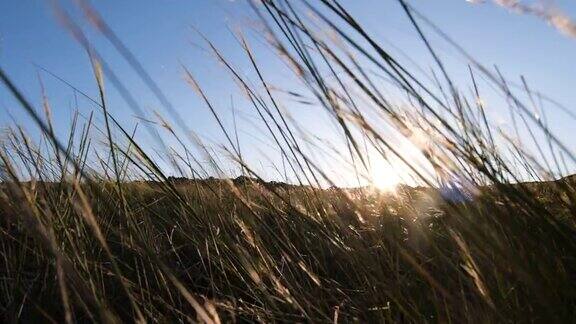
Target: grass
(102, 233)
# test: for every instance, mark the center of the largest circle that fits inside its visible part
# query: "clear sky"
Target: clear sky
(159, 33)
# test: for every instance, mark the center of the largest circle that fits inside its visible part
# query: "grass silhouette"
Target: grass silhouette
(104, 234)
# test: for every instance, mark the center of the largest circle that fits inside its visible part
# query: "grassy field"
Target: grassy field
(176, 252)
(94, 229)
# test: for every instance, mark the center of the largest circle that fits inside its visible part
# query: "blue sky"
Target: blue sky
(159, 33)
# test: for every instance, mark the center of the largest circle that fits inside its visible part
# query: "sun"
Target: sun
(384, 177)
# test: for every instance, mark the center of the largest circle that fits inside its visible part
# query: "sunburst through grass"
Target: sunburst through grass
(384, 176)
(95, 230)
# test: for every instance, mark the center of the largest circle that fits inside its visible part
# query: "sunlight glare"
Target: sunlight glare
(384, 177)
